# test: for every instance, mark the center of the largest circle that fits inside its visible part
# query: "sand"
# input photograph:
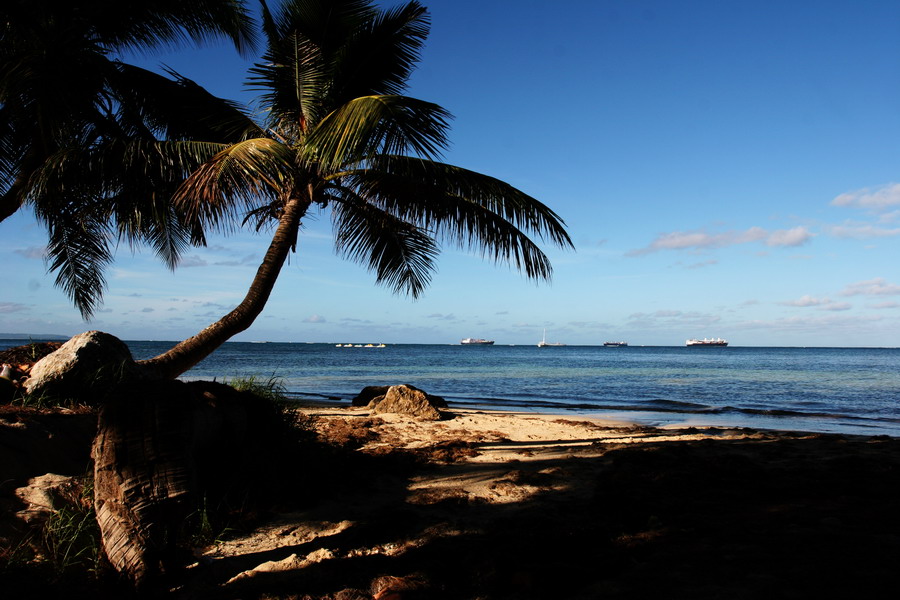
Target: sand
(488, 504)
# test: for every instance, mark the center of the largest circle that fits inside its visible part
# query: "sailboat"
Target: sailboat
(545, 344)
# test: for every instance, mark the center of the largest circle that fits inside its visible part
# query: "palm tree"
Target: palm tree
(78, 127)
(340, 136)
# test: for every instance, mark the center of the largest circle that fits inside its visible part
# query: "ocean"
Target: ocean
(833, 390)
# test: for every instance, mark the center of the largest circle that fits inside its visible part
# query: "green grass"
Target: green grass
(71, 536)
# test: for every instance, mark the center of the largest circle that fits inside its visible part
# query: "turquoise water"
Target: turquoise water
(845, 390)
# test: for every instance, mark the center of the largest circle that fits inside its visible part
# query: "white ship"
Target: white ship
(707, 342)
(476, 342)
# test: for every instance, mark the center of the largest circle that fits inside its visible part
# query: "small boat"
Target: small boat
(706, 342)
(476, 342)
(545, 344)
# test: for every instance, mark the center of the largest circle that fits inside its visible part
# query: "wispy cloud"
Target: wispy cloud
(871, 287)
(11, 307)
(31, 252)
(443, 317)
(806, 301)
(837, 306)
(877, 199)
(700, 265)
(862, 232)
(315, 319)
(883, 305)
(669, 318)
(702, 240)
(818, 303)
(192, 261)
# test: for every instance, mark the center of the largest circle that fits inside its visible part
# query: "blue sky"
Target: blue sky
(724, 168)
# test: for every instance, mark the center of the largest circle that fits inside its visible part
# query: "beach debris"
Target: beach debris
(8, 385)
(87, 362)
(42, 496)
(389, 587)
(407, 400)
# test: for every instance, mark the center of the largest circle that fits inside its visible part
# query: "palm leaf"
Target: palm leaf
(78, 250)
(436, 195)
(374, 125)
(400, 254)
(178, 108)
(235, 181)
(380, 56)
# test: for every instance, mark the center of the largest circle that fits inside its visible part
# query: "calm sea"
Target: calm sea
(845, 390)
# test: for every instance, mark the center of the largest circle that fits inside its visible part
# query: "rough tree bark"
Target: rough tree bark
(144, 453)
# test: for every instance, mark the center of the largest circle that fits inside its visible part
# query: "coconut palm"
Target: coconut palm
(341, 137)
(77, 126)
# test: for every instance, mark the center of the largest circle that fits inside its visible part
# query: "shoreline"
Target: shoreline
(820, 424)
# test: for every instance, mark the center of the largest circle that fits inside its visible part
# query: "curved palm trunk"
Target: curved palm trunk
(188, 353)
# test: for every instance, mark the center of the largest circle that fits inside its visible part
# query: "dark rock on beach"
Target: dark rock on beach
(406, 400)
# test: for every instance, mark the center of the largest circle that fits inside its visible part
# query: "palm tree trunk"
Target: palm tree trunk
(188, 353)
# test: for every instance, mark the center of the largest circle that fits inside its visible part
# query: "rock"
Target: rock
(82, 368)
(373, 394)
(407, 400)
(42, 496)
(369, 393)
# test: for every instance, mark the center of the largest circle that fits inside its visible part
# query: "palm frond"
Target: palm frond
(400, 254)
(374, 125)
(177, 108)
(236, 180)
(144, 25)
(78, 250)
(302, 39)
(380, 56)
(440, 196)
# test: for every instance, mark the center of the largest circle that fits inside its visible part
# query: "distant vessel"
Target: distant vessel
(706, 342)
(615, 344)
(476, 342)
(545, 344)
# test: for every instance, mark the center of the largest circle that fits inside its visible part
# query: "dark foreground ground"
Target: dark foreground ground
(774, 515)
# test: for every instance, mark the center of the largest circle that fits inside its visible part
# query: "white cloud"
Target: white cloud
(837, 306)
(700, 265)
(447, 317)
(888, 304)
(11, 307)
(805, 301)
(876, 199)
(789, 237)
(819, 303)
(192, 261)
(862, 232)
(701, 240)
(31, 252)
(871, 287)
(314, 319)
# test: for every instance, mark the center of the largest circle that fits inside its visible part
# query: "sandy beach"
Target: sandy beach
(486, 504)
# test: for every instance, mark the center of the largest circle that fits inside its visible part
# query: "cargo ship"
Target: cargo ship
(476, 342)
